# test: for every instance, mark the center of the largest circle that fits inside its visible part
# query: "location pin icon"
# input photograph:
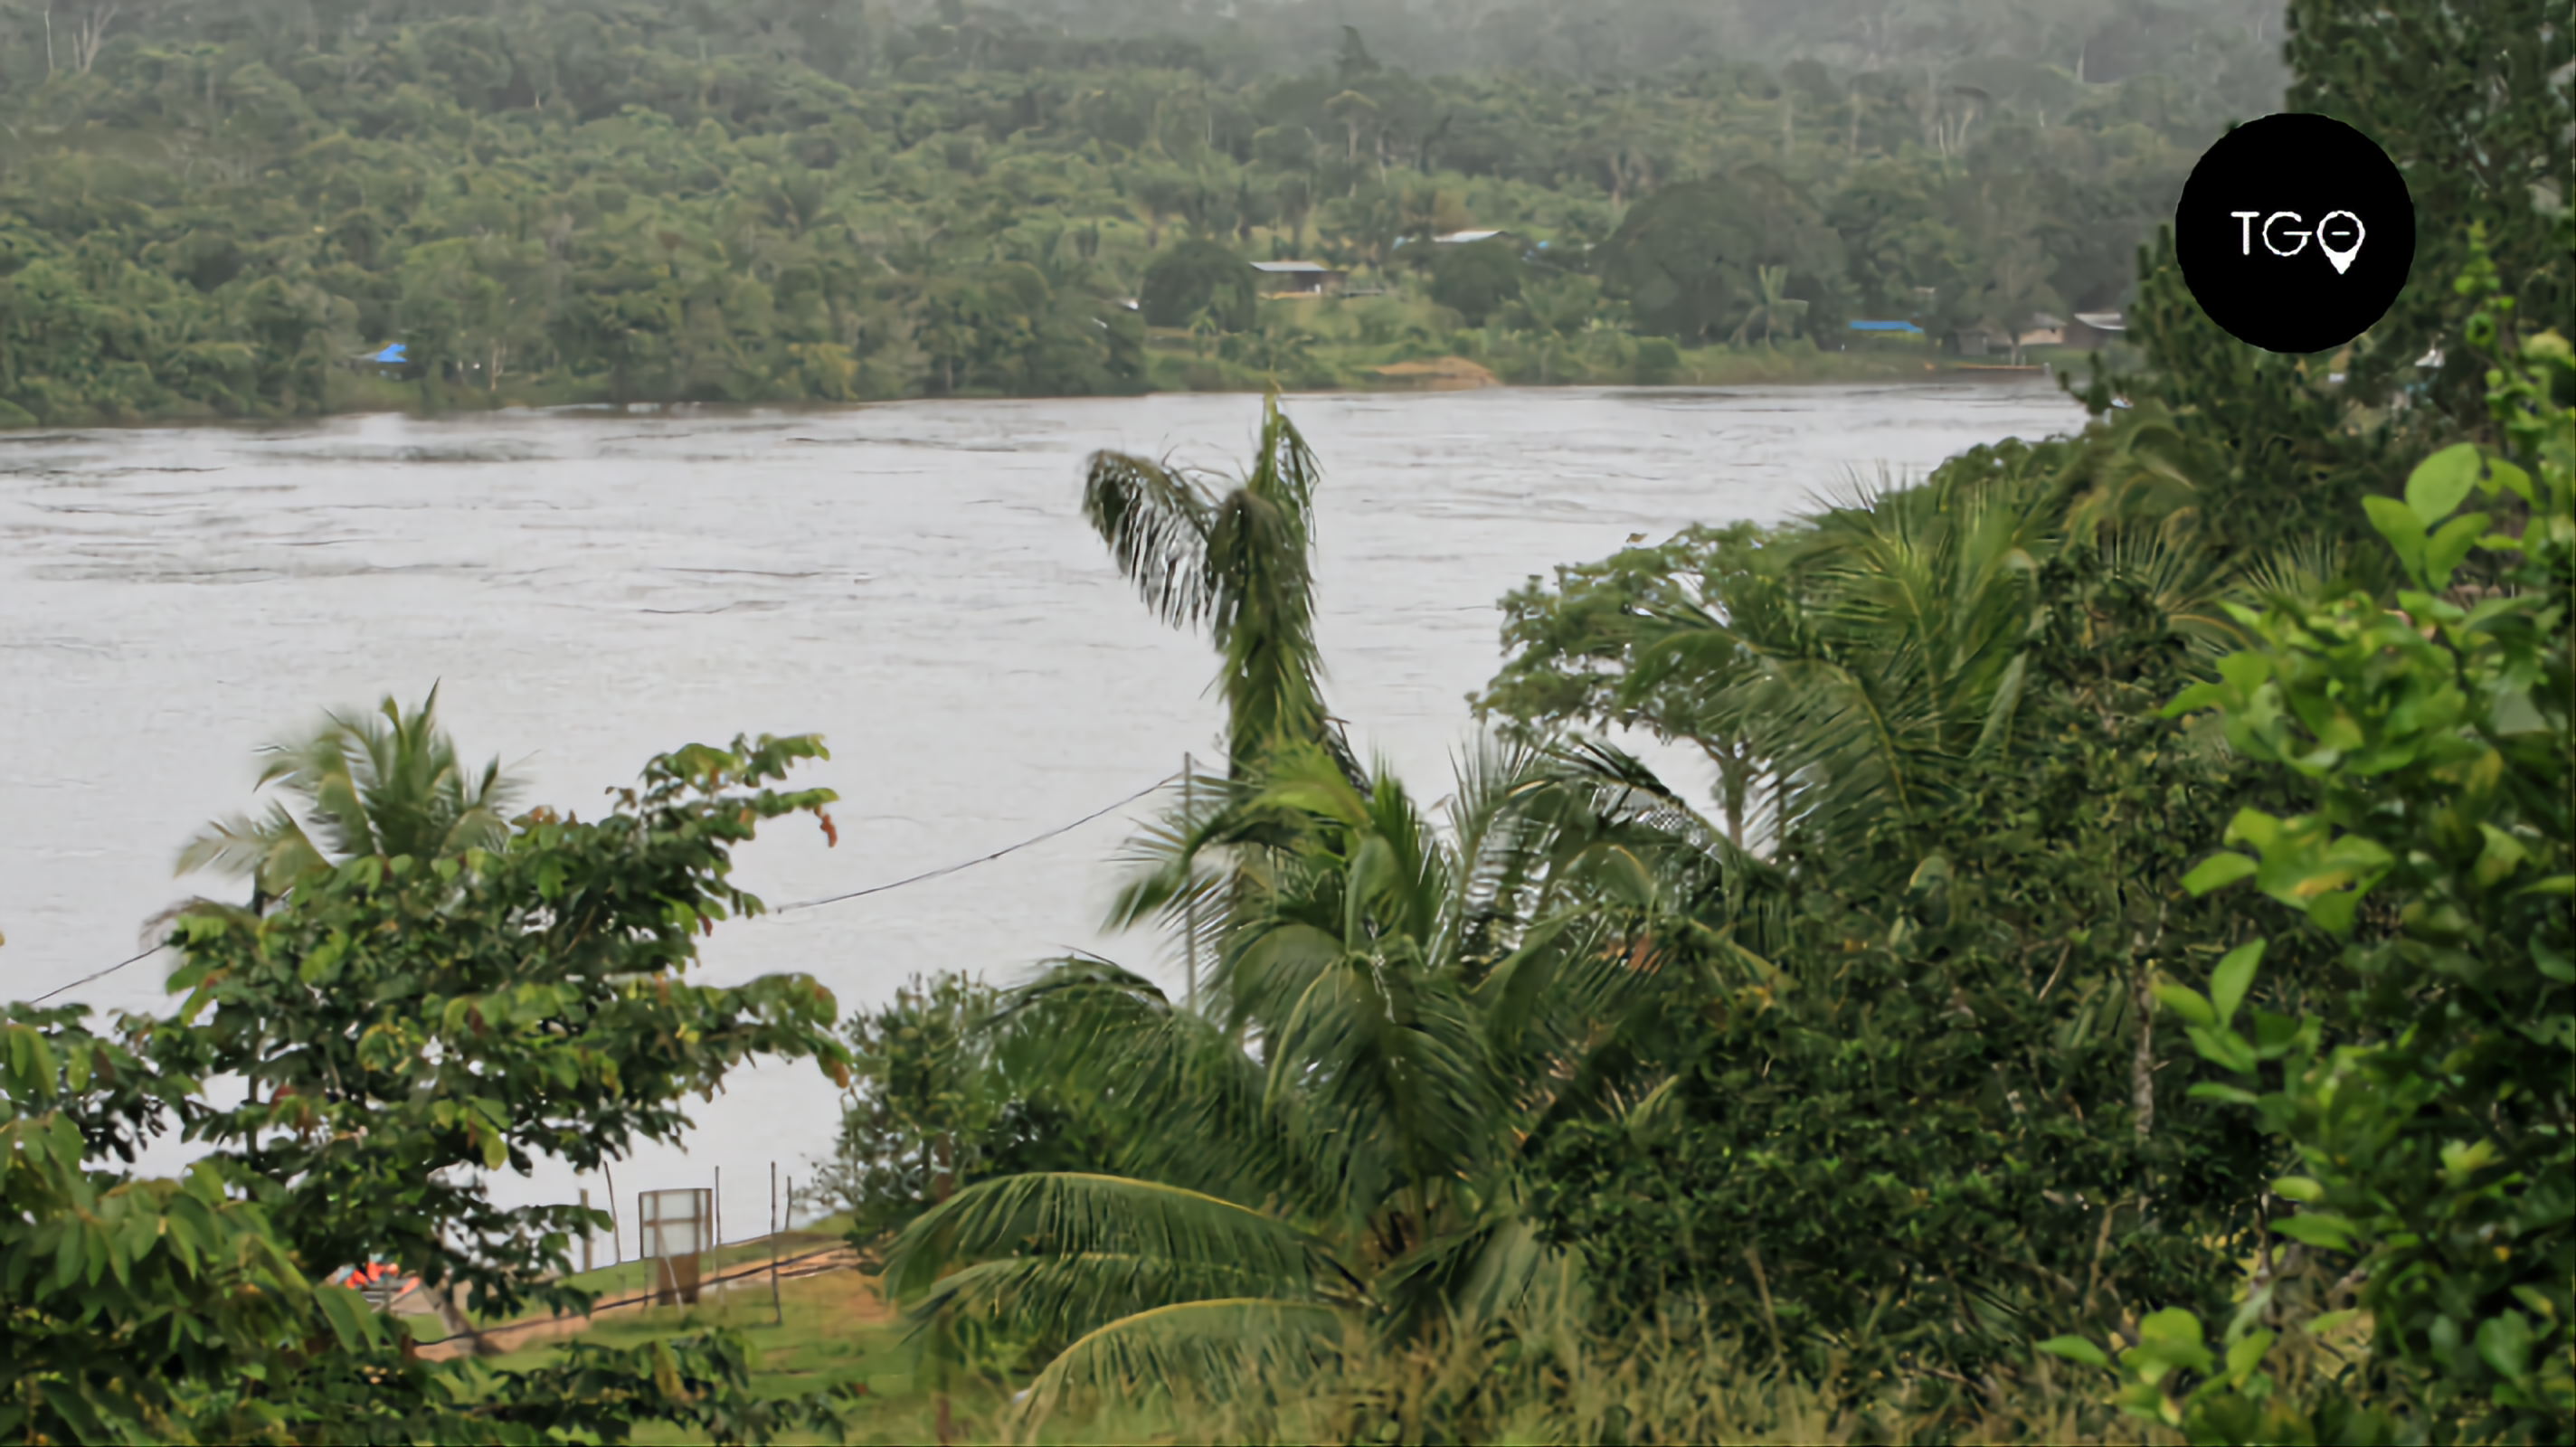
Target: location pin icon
(2342, 259)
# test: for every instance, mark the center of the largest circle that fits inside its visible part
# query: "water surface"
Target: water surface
(913, 581)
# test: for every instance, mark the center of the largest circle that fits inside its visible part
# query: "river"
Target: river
(913, 581)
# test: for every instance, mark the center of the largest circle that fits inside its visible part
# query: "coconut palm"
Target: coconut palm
(390, 785)
(1865, 654)
(1398, 1014)
(1775, 310)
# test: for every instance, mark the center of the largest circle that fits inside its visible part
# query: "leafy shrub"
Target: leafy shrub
(1197, 276)
(2429, 1117)
(1477, 279)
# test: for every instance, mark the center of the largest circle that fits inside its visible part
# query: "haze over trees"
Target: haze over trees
(214, 209)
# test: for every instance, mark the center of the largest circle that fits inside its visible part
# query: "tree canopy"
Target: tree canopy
(220, 210)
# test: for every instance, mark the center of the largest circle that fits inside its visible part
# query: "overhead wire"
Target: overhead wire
(983, 858)
(924, 876)
(97, 975)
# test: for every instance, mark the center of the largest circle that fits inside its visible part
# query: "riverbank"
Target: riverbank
(1389, 369)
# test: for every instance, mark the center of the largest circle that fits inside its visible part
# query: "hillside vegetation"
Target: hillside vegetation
(211, 210)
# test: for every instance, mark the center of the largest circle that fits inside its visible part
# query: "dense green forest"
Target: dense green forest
(213, 209)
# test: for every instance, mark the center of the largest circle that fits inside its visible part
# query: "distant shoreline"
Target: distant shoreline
(472, 406)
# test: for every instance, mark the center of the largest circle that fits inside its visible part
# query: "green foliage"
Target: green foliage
(1195, 277)
(930, 1107)
(1477, 279)
(539, 1013)
(204, 213)
(2289, 446)
(393, 1019)
(1687, 258)
(395, 788)
(2433, 746)
(1415, 994)
(2405, 76)
(1238, 560)
(1394, 1012)
(1942, 1127)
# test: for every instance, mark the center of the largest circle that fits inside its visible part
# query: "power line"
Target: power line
(782, 909)
(101, 975)
(984, 858)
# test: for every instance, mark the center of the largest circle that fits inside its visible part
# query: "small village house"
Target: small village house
(1299, 278)
(2094, 330)
(2045, 331)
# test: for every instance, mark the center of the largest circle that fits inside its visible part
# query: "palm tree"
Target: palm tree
(390, 785)
(1859, 658)
(1238, 560)
(1397, 1011)
(1398, 1014)
(1774, 310)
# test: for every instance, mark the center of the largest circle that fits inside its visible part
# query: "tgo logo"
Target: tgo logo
(2328, 234)
(2233, 251)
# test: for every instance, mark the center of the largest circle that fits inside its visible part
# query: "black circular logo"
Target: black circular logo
(2295, 233)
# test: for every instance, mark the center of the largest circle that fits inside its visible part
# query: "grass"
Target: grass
(1547, 1380)
(827, 1331)
(629, 1278)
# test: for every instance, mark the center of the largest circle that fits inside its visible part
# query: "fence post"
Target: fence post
(1190, 905)
(586, 1232)
(776, 1311)
(616, 1231)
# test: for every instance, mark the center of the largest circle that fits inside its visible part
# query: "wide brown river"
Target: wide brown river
(913, 581)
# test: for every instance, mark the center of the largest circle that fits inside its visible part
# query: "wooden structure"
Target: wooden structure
(2045, 331)
(1299, 278)
(673, 1230)
(2094, 330)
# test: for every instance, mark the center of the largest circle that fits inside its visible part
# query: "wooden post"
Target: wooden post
(586, 1233)
(775, 1310)
(1190, 909)
(616, 1232)
(718, 1204)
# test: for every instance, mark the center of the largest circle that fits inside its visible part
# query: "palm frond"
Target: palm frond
(1064, 1297)
(1387, 1072)
(1067, 1214)
(1156, 522)
(1201, 1343)
(1479, 1277)
(273, 850)
(1177, 1094)
(391, 783)
(1263, 623)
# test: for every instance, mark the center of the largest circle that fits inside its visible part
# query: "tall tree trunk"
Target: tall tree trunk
(2142, 1066)
(92, 34)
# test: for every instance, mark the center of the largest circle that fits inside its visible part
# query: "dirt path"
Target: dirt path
(839, 1263)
